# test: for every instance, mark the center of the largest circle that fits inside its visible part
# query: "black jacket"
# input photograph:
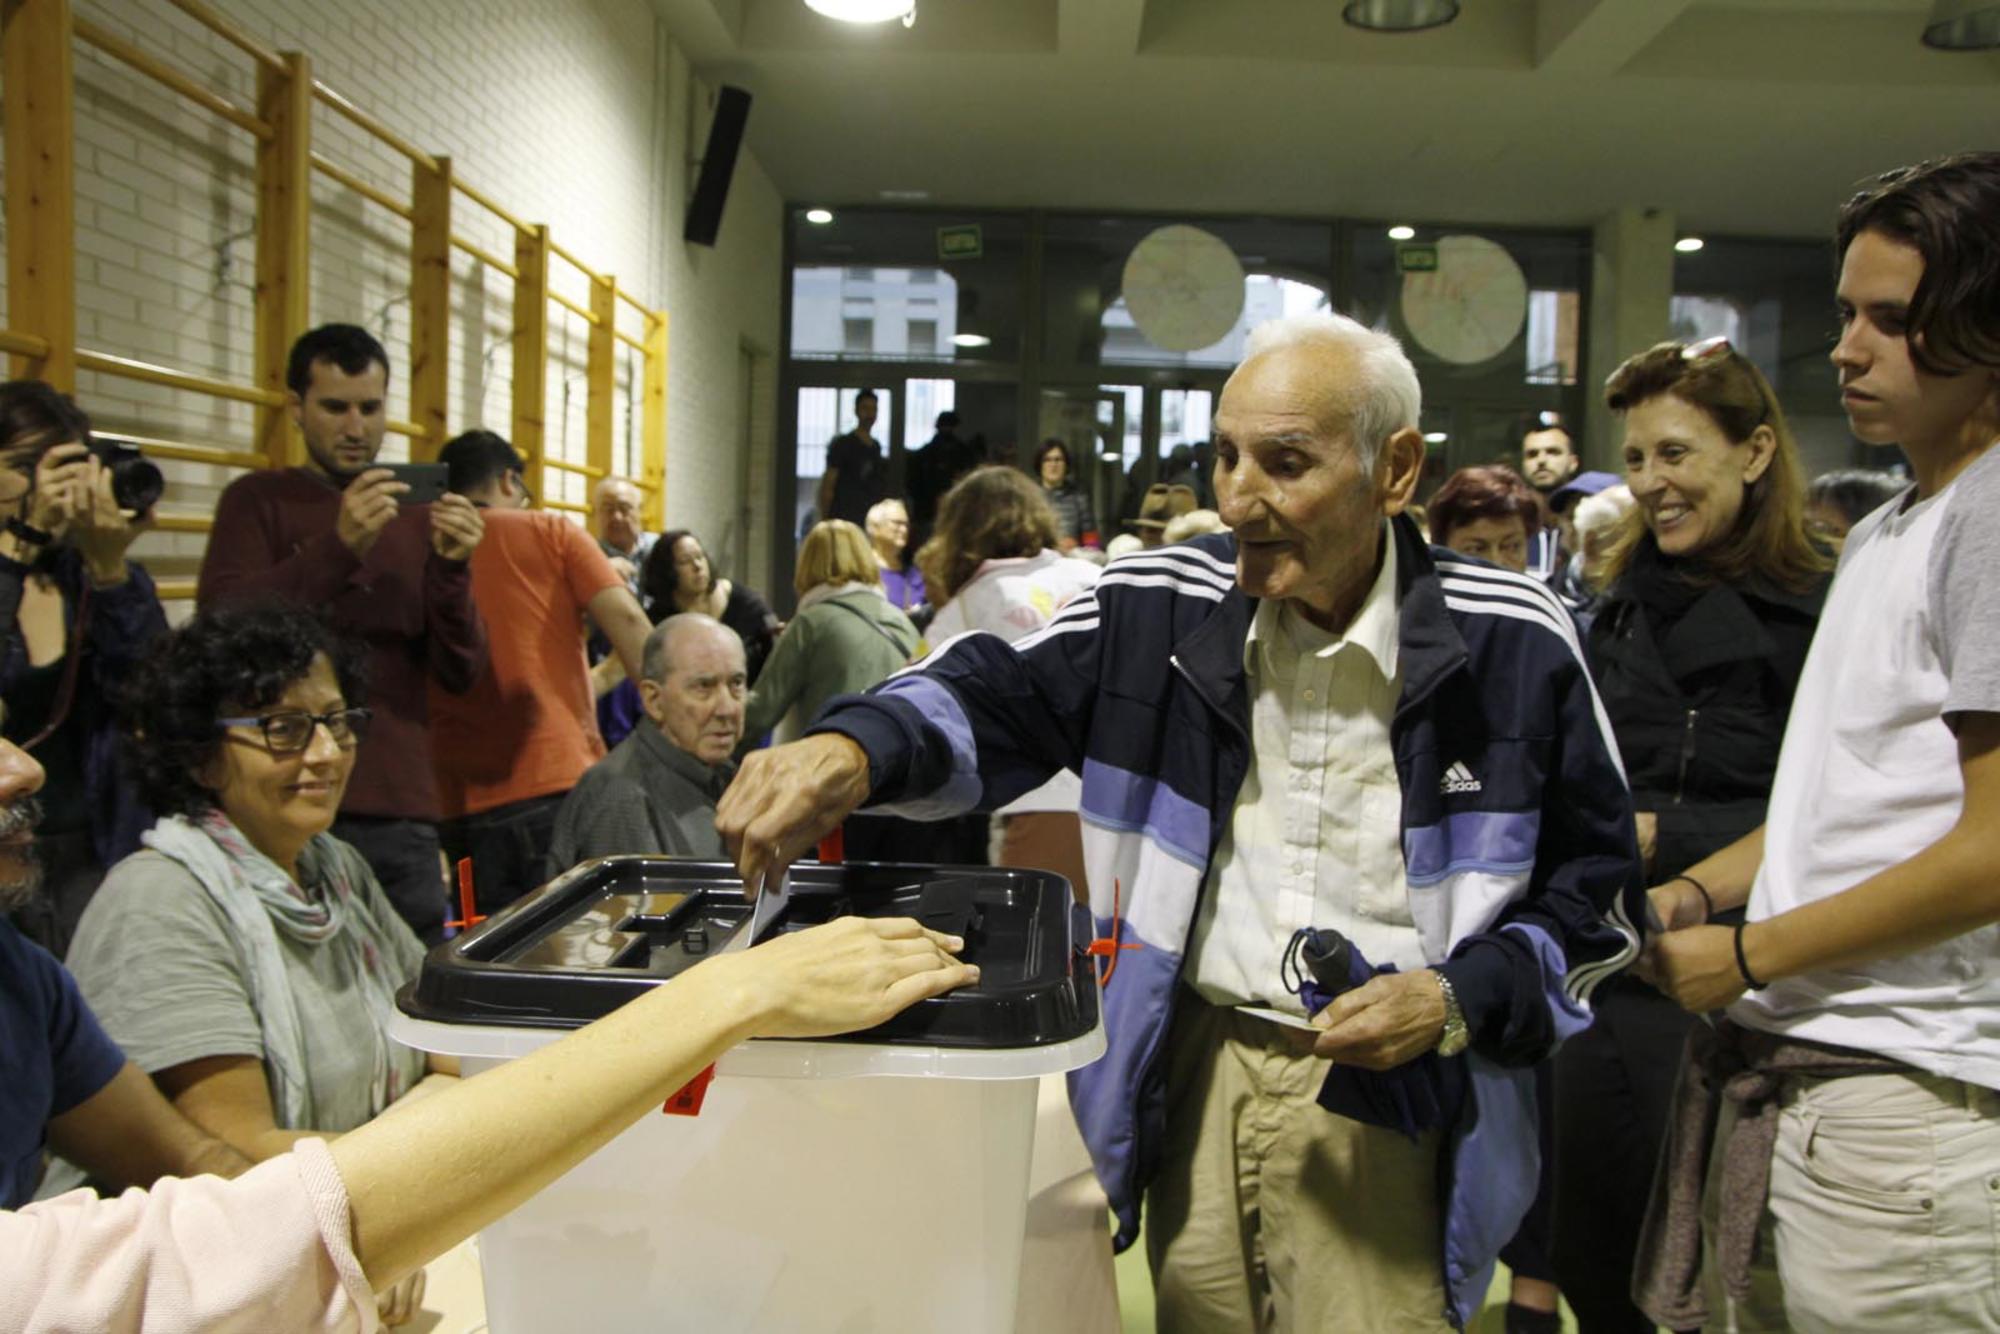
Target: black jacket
(1699, 683)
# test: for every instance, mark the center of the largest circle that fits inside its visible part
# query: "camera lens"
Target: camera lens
(137, 484)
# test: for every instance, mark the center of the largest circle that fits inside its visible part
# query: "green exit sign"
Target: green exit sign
(962, 242)
(1416, 258)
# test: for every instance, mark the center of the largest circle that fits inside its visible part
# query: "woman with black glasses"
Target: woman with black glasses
(1713, 590)
(245, 958)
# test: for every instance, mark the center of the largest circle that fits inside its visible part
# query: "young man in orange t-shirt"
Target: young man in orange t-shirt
(507, 750)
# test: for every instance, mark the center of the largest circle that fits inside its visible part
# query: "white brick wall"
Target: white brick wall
(580, 114)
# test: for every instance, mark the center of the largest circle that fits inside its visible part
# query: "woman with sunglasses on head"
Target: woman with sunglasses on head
(1713, 590)
(74, 616)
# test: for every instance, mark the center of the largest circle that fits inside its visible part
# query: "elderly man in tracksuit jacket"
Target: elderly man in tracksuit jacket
(1316, 721)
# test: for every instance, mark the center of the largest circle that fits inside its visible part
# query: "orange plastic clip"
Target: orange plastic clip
(1109, 947)
(467, 918)
(833, 848)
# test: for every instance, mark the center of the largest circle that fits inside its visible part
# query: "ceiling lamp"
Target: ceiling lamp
(1687, 245)
(866, 11)
(1396, 15)
(1401, 232)
(1963, 25)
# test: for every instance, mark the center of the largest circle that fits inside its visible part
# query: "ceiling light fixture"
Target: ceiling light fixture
(1687, 245)
(1399, 15)
(1963, 25)
(1401, 233)
(866, 11)
(970, 340)
(1435, 437)
(819, 217)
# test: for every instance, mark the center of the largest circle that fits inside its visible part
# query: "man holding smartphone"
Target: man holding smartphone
(338, 535)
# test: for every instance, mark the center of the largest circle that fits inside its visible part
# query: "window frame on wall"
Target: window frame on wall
(1469, 414)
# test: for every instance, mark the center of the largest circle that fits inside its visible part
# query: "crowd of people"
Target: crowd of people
(1434, 842)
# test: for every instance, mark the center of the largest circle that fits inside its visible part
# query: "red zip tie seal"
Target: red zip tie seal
(686, 1100)
(1110, 947)
(467, 918)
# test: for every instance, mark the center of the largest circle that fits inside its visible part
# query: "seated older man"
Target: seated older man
(1317, 724)
(656, 791)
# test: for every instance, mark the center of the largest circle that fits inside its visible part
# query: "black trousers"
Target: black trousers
(1614, 1088)
(507, 844)
(404, 856)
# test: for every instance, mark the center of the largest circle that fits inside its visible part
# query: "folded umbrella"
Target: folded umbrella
(1418, 1095)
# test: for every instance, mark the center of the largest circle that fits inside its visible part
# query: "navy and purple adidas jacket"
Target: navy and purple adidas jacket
(1517, 826)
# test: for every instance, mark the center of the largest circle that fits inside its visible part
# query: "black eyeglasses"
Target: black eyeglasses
(291, 730)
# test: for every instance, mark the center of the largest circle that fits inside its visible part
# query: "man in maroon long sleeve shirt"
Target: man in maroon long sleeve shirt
(332, 535)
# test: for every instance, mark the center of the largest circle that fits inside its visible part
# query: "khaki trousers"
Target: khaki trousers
(1270, 1213)
(1883, 1215)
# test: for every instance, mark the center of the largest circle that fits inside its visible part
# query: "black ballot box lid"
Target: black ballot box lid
(602, 933)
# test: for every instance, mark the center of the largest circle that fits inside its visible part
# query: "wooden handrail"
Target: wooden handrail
(120, 49)
(486, 257)
(564, 506)
(588, 315)
(127, 368)
(410, 429)
(629, 339)
(183, 523)
(485, 201)
(361, 187)
(635, 303)
(153, 447)
(26, 345)
(574, 262)
(228, 32)
(373, 126)
(174, 590)
(566, 466)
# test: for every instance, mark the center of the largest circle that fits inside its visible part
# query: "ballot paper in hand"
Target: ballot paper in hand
(765, 911)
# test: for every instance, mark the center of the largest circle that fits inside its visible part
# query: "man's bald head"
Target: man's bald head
(614, 513)
(694, 684)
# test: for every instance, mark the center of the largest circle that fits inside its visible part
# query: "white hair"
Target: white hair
(1387, 400)
(1602, 512)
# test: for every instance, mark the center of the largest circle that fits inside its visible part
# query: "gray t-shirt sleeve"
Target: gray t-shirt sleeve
(1964, 589)
(154, 958)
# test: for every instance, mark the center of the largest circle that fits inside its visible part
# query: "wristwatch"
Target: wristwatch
(1456, 1036)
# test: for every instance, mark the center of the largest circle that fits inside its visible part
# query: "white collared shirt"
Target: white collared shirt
(1315, 837)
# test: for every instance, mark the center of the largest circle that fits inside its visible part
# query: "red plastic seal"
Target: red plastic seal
(686, 1100)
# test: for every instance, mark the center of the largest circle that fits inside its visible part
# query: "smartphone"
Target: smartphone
(425, 480)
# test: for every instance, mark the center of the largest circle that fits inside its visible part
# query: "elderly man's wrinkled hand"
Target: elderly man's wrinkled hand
(1387, 1021)
(1696, 966)
(784, 800)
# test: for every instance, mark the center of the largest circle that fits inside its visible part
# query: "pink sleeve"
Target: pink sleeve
(268, 1251)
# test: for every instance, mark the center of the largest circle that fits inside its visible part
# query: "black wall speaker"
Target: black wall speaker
(718, 163)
